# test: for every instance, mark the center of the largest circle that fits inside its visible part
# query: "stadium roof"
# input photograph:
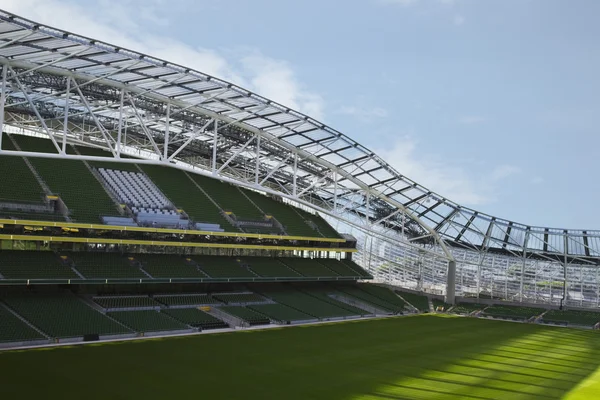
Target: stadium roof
(55, 80)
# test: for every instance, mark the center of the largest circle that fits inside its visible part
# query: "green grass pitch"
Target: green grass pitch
(421, 357)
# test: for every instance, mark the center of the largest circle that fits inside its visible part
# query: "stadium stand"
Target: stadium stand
(185, 300)
(467, 308)
(252, 317)
(43, 265)
(13, 329)
(306, 303)
(308, 267)
(287, 215)
(195, 318)
(269, 267)
(418, 301)
(18, 182)
(120, 302)
(372, 294)
(282, 313)
(341, 268)
(229, 198)
(101, 265)
(169, 266)
(325, 294)
(512, 312)
(63, 315)
(222, 267)
(147, 321)
(572, 317)
(239, 298)
(182, 191)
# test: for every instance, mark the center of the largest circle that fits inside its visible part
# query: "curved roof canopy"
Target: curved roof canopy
(125, 98)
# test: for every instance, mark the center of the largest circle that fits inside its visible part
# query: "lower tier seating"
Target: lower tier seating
(63, 316)
(250, 316)
(109, 302)
(512, 312)
(13, 329)
(196, 318)
(325, 293)
(147, 321)
(418, 301)
(572, 317)
(281, 313)
(185, 300)
(357, 292)
(308, 304)
(239, 298)
(467, 308)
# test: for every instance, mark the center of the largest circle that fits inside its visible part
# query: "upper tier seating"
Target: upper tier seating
(63, 316)
(308, 267)
(72, 181)
(182, 191)
(239, 298)
(229, 198)
(572, 317)
(18, 264)
(512, 312)
(281, 313)
(18, 182)
(12, 329)
(91, 151)
(287, 215)
(185, 300)
(147, 321)
(250, 316)
(99, 265)
(196, 318)
(135, 189)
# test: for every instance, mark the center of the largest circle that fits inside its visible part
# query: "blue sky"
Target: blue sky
(493, 104)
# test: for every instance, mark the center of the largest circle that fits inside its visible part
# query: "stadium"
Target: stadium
(168, 234)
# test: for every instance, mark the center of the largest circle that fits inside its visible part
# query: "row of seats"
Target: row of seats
(512, 312)
(467, 308)
(572, 317)
(102, 265)
(239, 298)
(307, 304)
(111, 302)
(134, 189)
(147, 321)
(418, 301)
(196, 318)
(247, 314)
(371, 295)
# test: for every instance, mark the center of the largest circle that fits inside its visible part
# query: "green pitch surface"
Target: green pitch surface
(420, 357)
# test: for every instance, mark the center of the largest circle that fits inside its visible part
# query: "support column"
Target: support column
(66, 117)
(165, 157)
(451, 283)
(257, 165)
(2, 102)
(214, 149)
(120, 129)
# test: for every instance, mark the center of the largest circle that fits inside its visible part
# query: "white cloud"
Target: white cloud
(471, 119)
(364, 113)
(129, 24)
(439, 175)
(504, 171)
